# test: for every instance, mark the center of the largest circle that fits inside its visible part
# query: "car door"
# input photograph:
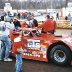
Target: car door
(31, 45)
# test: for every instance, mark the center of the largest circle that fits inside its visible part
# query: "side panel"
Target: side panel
(33, 49)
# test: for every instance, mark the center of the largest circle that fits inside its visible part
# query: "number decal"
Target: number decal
(33, 43)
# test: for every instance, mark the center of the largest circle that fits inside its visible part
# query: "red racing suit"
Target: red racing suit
(48, 25)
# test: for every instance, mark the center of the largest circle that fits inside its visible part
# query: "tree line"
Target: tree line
(30, 4)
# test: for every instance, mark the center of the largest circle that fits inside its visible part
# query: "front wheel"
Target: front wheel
(60, 55)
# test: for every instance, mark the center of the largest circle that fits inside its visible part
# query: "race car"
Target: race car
(43, 47)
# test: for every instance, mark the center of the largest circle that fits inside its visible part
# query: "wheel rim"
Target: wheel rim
(59, 56)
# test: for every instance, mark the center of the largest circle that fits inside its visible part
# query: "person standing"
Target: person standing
(19, 15)
(47, 26)
(35, 22)
(18, 50)
(29, 21)
(57, 16)
(16, 23)
(54, 24)
(69, 16)
(5, 27)
(17, 45)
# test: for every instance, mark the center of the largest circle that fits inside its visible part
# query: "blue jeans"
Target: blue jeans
(17, 28)
(6, 47)
(18, 62)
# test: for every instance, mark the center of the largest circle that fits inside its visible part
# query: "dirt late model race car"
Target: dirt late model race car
(43, 47)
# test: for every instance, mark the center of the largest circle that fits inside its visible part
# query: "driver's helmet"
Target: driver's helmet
(26, 33)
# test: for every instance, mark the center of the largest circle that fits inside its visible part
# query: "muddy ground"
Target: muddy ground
(33, 66)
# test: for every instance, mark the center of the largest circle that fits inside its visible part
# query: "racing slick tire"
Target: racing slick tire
(60, 55)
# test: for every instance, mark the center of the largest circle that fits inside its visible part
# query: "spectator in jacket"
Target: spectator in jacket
(35, 22)
(16, 23)
(4, 36)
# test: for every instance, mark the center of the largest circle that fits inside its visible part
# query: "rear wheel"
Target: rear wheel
(60, 55)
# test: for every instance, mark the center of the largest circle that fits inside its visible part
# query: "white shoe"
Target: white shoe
(8, 59)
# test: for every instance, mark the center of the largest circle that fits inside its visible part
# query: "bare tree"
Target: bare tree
(35, 4)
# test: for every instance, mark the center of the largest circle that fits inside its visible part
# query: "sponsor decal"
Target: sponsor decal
(25, 50)
(43, 49)
(17, 39)
(34, 44)
(43, 52)
(35, 54)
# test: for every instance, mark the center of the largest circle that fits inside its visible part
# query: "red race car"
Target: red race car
(43, 47)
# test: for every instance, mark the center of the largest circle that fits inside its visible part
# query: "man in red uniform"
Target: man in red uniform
(48, 26)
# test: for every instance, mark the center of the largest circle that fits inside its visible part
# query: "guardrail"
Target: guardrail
(64, 24)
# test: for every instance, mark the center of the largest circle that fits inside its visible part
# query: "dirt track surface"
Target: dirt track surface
(33, 66)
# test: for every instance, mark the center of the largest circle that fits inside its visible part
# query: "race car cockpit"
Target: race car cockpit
(31, 32)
